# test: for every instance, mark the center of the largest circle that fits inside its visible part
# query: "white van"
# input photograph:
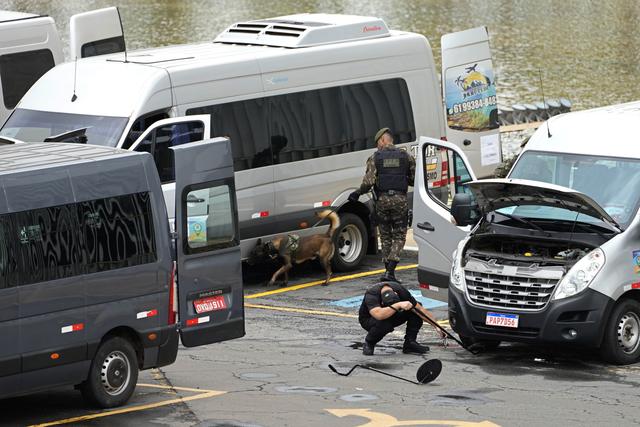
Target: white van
(301, 98)
(30, 47)
(549, 254)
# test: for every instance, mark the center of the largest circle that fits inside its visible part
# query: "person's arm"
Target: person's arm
(369, 179)
(430, 316)
(382, 313)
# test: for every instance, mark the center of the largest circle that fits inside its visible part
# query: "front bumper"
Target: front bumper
(586, 314)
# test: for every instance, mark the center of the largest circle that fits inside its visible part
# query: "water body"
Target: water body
(588, 51)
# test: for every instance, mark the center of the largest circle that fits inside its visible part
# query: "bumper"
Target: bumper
(586, 314)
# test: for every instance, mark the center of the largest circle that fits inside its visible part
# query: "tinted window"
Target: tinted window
(312, 124)
(19, 71)
(159, 142)
(102, 47)
(45, 244)
(445, 174)
(63, 241)
(245, 123)
(140, 125)
(210, 218)
(117, 232)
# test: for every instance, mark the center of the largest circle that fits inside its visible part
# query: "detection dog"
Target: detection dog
(292, 249)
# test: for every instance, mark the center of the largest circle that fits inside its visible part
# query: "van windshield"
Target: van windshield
(35, 126)
(612, 182)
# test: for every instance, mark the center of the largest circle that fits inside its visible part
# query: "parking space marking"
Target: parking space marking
(380, 419)
(443, 323)
(202, 394)
(319, 282)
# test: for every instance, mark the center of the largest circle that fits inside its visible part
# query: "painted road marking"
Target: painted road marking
(379, 419)
(201, 394)
(443, 323)
(319, 282)
(356, 301)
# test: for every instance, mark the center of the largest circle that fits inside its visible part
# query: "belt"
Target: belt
(392, 192)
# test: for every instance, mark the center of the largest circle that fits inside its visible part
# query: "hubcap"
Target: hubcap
(628, 330)
(115, 373)
(350, 243)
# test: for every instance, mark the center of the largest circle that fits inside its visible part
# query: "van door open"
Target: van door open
(442, 169)
(158, 139)
(469, 92)
(210, 294)
(98, 32)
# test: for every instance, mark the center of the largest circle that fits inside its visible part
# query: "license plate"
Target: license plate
(206, 305)
(501, 319)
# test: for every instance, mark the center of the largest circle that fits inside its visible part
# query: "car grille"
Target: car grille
(505, 287)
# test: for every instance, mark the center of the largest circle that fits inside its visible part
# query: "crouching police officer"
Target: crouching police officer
(386, 306)
(390, 171)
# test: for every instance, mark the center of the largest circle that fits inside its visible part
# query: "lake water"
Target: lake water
(587, 51)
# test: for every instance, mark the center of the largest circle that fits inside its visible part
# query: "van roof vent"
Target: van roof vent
(304, 30)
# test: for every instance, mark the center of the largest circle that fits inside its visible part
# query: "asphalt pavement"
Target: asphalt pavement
(278, 375)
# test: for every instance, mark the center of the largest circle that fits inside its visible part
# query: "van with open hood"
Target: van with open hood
(550, 254)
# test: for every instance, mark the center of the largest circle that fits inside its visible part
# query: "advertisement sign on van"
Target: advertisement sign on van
(471, 96)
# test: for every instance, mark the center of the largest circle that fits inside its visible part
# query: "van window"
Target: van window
(311, 124)
(445, 174)
(19, 71)
(141, 124)
(210, 217)
(160, 140)
(102, 47)
(117, 232)
(245, 123)
(79, 238)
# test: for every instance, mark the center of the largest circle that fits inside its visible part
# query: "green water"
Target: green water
(588, 51)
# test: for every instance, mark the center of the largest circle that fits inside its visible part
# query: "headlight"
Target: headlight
(457, 273)
(580, 275)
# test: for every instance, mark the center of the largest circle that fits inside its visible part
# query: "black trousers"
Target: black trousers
(379, 328)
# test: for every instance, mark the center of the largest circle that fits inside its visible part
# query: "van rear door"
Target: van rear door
(98, 32)
(210, 294)
(469, 91)
(442, 169)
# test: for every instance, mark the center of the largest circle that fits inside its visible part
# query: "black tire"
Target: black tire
(113, 374)
(487, 345)
(621, 342)
(349, 252)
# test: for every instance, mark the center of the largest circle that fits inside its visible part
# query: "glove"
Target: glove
(353, 197)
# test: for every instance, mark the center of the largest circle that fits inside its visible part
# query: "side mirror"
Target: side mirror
(464, 209)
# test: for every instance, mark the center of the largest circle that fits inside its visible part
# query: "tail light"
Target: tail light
(173, 296)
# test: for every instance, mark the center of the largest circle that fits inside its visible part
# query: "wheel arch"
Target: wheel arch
(130, 335)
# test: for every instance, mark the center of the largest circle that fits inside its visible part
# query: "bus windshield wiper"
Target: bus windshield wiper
(76, 136)
(524, 221)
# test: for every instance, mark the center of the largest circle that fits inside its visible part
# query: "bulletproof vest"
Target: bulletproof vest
(392, 168)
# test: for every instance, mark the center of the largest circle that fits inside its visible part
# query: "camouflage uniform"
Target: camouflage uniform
(391, 211)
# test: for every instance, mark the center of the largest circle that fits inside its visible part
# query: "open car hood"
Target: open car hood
(492, 194)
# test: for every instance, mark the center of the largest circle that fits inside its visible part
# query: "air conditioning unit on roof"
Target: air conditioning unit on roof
(304, 30)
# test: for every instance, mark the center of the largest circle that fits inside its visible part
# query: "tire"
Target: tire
(113, 374)
(351, 241)
(486, 344)
(621, 343)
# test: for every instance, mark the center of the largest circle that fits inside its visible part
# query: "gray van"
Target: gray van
(87, 263)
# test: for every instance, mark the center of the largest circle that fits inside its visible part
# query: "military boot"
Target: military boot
(412, 346)
(391, 271)
(385, 276)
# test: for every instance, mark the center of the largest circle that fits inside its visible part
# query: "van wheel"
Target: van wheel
(350, 241)
(113, 374)
(621, 343)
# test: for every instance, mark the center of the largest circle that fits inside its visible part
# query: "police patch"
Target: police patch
(390, 163)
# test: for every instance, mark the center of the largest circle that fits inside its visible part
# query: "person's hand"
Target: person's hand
(403, 305)
(353, 197)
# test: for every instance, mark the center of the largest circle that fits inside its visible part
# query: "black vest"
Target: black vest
(392, 168)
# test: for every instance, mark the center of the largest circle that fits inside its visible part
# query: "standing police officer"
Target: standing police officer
(390, 172)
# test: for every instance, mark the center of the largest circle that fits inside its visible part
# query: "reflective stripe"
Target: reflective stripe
(72, 328)
(198, 320)
(145, 314)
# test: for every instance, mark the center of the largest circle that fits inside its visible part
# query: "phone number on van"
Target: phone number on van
(474, 104)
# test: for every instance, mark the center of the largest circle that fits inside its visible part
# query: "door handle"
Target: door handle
(426, 226)
(466, 142)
